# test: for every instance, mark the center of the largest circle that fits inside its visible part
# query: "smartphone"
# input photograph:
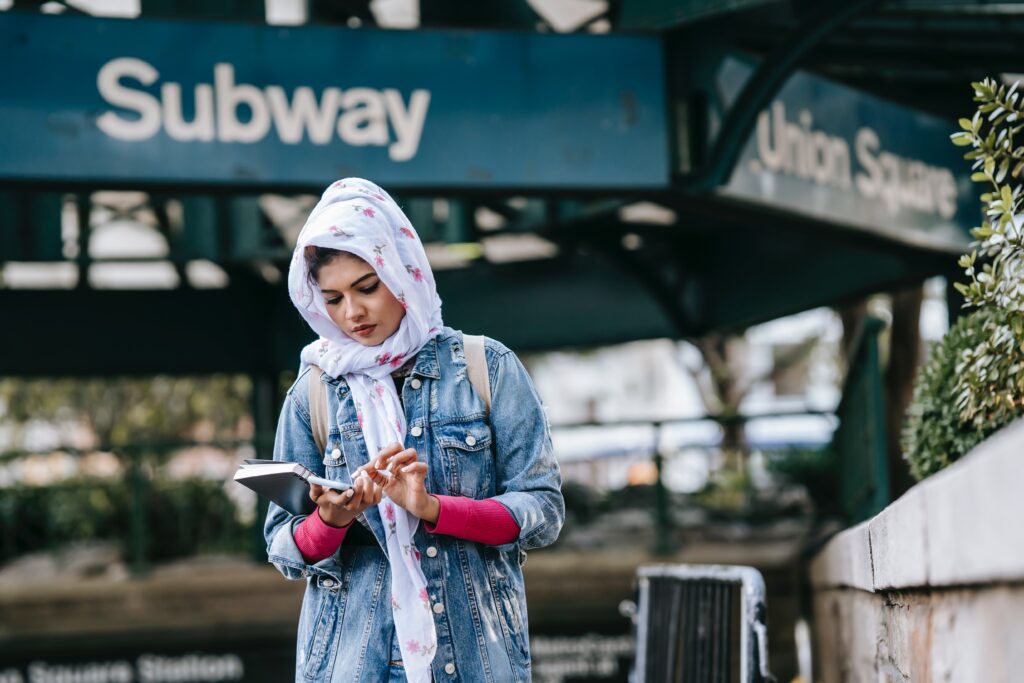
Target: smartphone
(328, 483)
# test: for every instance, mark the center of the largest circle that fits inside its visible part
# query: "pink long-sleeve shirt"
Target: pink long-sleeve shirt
(484, 521)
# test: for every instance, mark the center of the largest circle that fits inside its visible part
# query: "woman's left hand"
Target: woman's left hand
(406, 485)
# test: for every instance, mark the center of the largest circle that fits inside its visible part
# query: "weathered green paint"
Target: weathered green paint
(30, 226)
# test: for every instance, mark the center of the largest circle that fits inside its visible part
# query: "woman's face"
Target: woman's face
(358, 302)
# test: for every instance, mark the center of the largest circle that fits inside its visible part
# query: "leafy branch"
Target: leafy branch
(998, 162)
(990, 374)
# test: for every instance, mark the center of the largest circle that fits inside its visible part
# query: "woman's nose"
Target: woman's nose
(355, 311)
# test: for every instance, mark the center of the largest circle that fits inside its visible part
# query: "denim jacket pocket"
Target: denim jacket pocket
(334, 458)
(468, 459)
(320, 635)
(512, 618)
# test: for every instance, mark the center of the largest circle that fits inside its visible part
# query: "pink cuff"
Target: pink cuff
(316, 539)
(484, 521)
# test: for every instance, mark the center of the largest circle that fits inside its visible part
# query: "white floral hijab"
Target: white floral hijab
(357, 216)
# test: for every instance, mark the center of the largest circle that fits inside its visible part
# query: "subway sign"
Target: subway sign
(193, 103)
(839, 155)
(356, 117)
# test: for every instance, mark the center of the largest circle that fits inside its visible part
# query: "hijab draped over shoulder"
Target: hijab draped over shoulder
(357, 216)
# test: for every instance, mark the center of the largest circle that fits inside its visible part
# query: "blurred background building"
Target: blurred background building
(715, 231)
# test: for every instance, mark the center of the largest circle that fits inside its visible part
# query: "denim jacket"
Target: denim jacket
(476, 591)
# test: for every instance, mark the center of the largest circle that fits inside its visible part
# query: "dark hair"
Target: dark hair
(318, 257)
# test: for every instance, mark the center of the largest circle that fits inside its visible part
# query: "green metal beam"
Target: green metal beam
(683, 282)
(212, 10)
(30, 226)
(506, 14)
(859, 441)
(638, 15)
(252, 328)
(779, 275)
(764, 84)
(724, 266)
(583, 301)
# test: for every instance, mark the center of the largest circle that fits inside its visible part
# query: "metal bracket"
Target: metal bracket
(764, 84)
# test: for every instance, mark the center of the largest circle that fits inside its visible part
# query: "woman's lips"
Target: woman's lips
(365, 331)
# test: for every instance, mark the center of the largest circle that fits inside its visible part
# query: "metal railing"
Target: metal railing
(661, 511)
(150, 515)
(154, 517)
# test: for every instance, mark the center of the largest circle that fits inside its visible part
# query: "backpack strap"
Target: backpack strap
(318, 408)
(318, 419)
(476, 367)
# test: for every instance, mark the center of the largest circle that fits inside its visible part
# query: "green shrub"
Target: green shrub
(974, 382)
(990, 388)
(182, 518)
(937, 430)
(815, 469)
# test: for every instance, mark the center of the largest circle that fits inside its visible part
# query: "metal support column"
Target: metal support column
(264, 409)
(662, 513)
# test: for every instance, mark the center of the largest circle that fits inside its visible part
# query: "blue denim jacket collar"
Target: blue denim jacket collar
(426, 361)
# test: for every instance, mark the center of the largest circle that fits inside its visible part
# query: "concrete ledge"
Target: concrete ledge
(975, 513)
(960, 527)
(952, 635)
(899, 548)
(932, 588)
(845, 561)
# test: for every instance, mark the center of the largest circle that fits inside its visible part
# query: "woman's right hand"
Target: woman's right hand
(338, 508)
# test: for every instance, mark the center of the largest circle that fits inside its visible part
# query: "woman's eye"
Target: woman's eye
(371, 289)
(334, 301)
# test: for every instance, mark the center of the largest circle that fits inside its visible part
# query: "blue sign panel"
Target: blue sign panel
(144, 101)
(842, 156)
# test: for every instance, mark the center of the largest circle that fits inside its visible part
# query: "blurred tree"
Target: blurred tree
(121, 411)
(724, 381)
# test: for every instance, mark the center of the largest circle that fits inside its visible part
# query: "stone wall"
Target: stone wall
(932, 588)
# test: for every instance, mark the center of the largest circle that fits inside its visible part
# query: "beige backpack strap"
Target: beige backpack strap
(318, 408)
(476, 366)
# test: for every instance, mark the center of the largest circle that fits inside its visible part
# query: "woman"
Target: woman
(448, 495)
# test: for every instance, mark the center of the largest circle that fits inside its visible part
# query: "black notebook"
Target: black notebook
(285, 483)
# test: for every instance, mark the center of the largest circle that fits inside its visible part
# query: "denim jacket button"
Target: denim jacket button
(438, 608)
(336, 453)
(415, 384)
(327, 583)
(416, 431)
(470, 440)
(431, 551)
(449, 668)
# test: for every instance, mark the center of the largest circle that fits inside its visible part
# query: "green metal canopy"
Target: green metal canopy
(755, 120)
